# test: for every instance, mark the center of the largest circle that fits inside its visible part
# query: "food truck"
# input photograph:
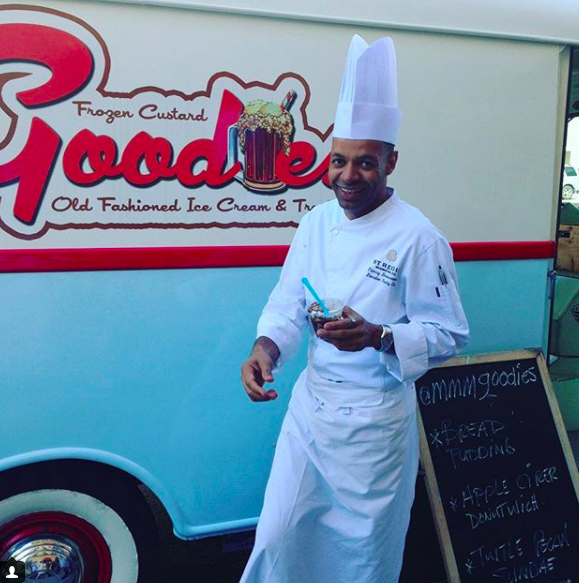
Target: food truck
(155, 160)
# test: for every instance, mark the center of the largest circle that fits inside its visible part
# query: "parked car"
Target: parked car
(570, 182)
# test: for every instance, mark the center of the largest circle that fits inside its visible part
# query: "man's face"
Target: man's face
(358, 171)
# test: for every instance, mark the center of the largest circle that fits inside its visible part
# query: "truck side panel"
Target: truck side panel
(151, 360)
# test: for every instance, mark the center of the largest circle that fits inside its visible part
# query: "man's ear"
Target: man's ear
(391, 162)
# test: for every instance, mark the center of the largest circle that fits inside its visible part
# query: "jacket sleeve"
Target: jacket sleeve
(284, 317)
(437, 327)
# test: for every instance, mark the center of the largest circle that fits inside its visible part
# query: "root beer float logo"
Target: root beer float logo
(75, 155)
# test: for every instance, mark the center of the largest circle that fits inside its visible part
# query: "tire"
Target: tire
(568, 191)
(101, 528)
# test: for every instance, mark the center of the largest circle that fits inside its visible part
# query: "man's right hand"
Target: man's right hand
(256, 370)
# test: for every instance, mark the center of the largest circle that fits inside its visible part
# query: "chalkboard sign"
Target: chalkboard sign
(500, 473)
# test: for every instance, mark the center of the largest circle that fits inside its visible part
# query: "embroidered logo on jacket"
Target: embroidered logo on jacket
(383, 272)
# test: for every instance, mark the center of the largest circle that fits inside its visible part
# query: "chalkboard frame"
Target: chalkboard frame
(437, 508)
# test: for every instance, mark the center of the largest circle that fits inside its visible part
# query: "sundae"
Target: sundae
(317, 316)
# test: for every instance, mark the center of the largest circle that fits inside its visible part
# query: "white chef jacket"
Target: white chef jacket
(392, 266)
(337, 504)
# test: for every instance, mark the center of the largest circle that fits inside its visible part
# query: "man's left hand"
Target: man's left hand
(352, 333)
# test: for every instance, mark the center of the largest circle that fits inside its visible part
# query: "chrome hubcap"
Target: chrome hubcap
(48, 558)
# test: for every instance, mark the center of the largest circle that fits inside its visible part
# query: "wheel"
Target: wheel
(568, 191)
(76, 530)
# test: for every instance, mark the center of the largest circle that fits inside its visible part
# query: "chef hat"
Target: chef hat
(367, 109)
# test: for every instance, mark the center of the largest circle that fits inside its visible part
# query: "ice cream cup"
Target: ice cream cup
(317, 316)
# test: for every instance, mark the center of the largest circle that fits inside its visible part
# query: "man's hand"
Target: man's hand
(352, 333)
(256, 370)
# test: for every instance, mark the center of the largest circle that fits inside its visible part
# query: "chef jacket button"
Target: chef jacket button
(334, 231)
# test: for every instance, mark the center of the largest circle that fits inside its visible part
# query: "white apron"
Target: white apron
(337, 504)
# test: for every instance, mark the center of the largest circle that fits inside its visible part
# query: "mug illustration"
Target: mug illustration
(263, 130)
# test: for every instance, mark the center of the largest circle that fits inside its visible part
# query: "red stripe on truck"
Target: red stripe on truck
(503, 250)
(31, 260)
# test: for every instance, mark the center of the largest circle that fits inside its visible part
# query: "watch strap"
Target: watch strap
(386, 338)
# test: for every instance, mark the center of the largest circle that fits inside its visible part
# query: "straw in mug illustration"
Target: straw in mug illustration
(263, 130)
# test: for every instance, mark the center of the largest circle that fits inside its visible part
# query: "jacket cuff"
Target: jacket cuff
(411, 358)
(283, 340)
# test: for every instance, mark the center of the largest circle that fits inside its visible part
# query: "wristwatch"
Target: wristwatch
(386, 338)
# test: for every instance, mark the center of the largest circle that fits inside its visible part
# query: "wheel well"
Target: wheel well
(56, 474)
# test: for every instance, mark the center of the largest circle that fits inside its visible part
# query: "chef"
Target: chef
(337, 504)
